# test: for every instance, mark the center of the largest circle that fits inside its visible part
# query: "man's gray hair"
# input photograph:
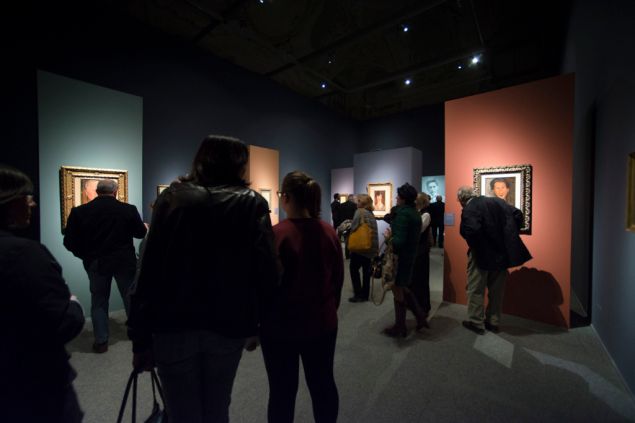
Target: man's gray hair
(107, 186)
(465, 193)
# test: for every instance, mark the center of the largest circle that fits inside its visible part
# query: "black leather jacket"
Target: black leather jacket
(209, 263)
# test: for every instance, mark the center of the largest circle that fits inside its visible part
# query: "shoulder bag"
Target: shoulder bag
(361, 240)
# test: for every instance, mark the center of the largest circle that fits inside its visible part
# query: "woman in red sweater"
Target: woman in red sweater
(301, 321)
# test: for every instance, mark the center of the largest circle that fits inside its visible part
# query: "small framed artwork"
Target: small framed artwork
(510, 183)
(343, 198)
(381, 194)
(266, 194)
(160, 188)
(78, 186)
(630, 196)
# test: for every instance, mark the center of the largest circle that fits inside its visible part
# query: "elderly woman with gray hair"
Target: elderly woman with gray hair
(364, 213)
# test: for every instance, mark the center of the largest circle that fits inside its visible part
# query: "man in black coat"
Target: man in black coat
(100, 233)
(437, 210)
(335, 210)
(490, 227)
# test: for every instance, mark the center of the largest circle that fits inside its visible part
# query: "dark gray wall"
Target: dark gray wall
(599, 51)
(421, 128)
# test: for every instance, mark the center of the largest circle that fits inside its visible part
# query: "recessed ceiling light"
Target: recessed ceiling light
(475, 60)
(407, 81)
(323, 85)
(405, 28)
(459, 67)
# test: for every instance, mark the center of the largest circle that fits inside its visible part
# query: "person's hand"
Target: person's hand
(143, 361)
(252, 343)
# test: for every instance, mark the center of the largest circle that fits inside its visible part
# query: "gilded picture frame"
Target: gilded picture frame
(381, 194)
(78, 184)
(343, 198)
(630, 195)
(511, 183)
(160, 188)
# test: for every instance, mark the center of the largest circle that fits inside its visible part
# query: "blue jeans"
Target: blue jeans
(197, 370)
(100, 282)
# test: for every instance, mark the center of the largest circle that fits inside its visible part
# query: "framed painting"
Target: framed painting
(510, 183)
(381, 194)
(160, 188)
(630, 196)
(343, 198)
(266, 194)
(78, 186)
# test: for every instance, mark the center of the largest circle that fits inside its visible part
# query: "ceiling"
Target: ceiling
(355, 56)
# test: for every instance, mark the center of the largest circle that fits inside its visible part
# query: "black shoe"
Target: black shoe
(471, 326)
(100, 348)
(492, 328)
(355, 300)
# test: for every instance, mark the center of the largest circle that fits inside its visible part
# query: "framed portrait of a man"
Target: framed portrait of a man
(78, 185)
(381, 194)
(510, 183)
(433, 186)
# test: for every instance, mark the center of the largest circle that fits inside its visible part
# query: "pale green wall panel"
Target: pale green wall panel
(84, 125)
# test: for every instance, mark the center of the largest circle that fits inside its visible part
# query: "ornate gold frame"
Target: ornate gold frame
(630, 195)
(524, 174)
(387, 186)
(160, 188)
(68, 192)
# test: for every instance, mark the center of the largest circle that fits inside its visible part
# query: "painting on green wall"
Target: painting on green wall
(78, 186)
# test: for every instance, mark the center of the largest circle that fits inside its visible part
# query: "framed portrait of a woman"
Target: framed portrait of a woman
(381, 194)
(510, 183)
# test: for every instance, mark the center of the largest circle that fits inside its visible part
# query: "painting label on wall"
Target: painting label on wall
(510, 183)
(78, 186)
(630, 196)
(433, 186)
(381, 194)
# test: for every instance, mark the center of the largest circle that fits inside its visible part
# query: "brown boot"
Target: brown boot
(399, 328)
(413, 305)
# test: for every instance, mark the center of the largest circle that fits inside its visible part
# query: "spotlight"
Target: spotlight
(261, 1)
(405, 28)
(323, 85)
(475, 60)
(407, 81)
(330, 61)
(459, 67)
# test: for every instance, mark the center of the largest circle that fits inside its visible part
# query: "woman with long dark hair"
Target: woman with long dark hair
(208, 266)
(301, 322)
(38, 316)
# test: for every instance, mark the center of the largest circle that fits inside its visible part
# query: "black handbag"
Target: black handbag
(158, 415)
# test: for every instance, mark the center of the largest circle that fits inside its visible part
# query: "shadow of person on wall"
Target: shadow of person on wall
(534, 294)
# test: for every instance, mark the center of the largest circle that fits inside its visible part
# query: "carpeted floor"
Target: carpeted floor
(527, 373)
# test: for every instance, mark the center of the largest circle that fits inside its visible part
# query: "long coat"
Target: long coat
(406, 231)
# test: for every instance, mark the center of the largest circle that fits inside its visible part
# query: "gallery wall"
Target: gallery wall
(420, 128)
(527, 124)
(599, 34)
(83, 125)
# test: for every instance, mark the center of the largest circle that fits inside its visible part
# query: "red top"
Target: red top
(305, 304)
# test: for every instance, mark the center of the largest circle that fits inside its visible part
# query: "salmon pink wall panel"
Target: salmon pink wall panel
(526, 124)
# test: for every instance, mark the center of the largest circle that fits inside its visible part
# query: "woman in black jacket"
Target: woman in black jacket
(38, 316)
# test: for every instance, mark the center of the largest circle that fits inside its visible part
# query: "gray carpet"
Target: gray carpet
(527, 373)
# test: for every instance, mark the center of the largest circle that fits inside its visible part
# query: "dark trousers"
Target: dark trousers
(360, 289)
(282, 360)
(437, 234)
(420, 285)
(100, 280)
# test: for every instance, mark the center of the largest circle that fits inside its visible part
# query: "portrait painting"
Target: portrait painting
(433, 185)
(161, 188)
(78, 186)
(381, 194)
(343, 198)
(266, 194)
(630, 195)
(509, 183)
